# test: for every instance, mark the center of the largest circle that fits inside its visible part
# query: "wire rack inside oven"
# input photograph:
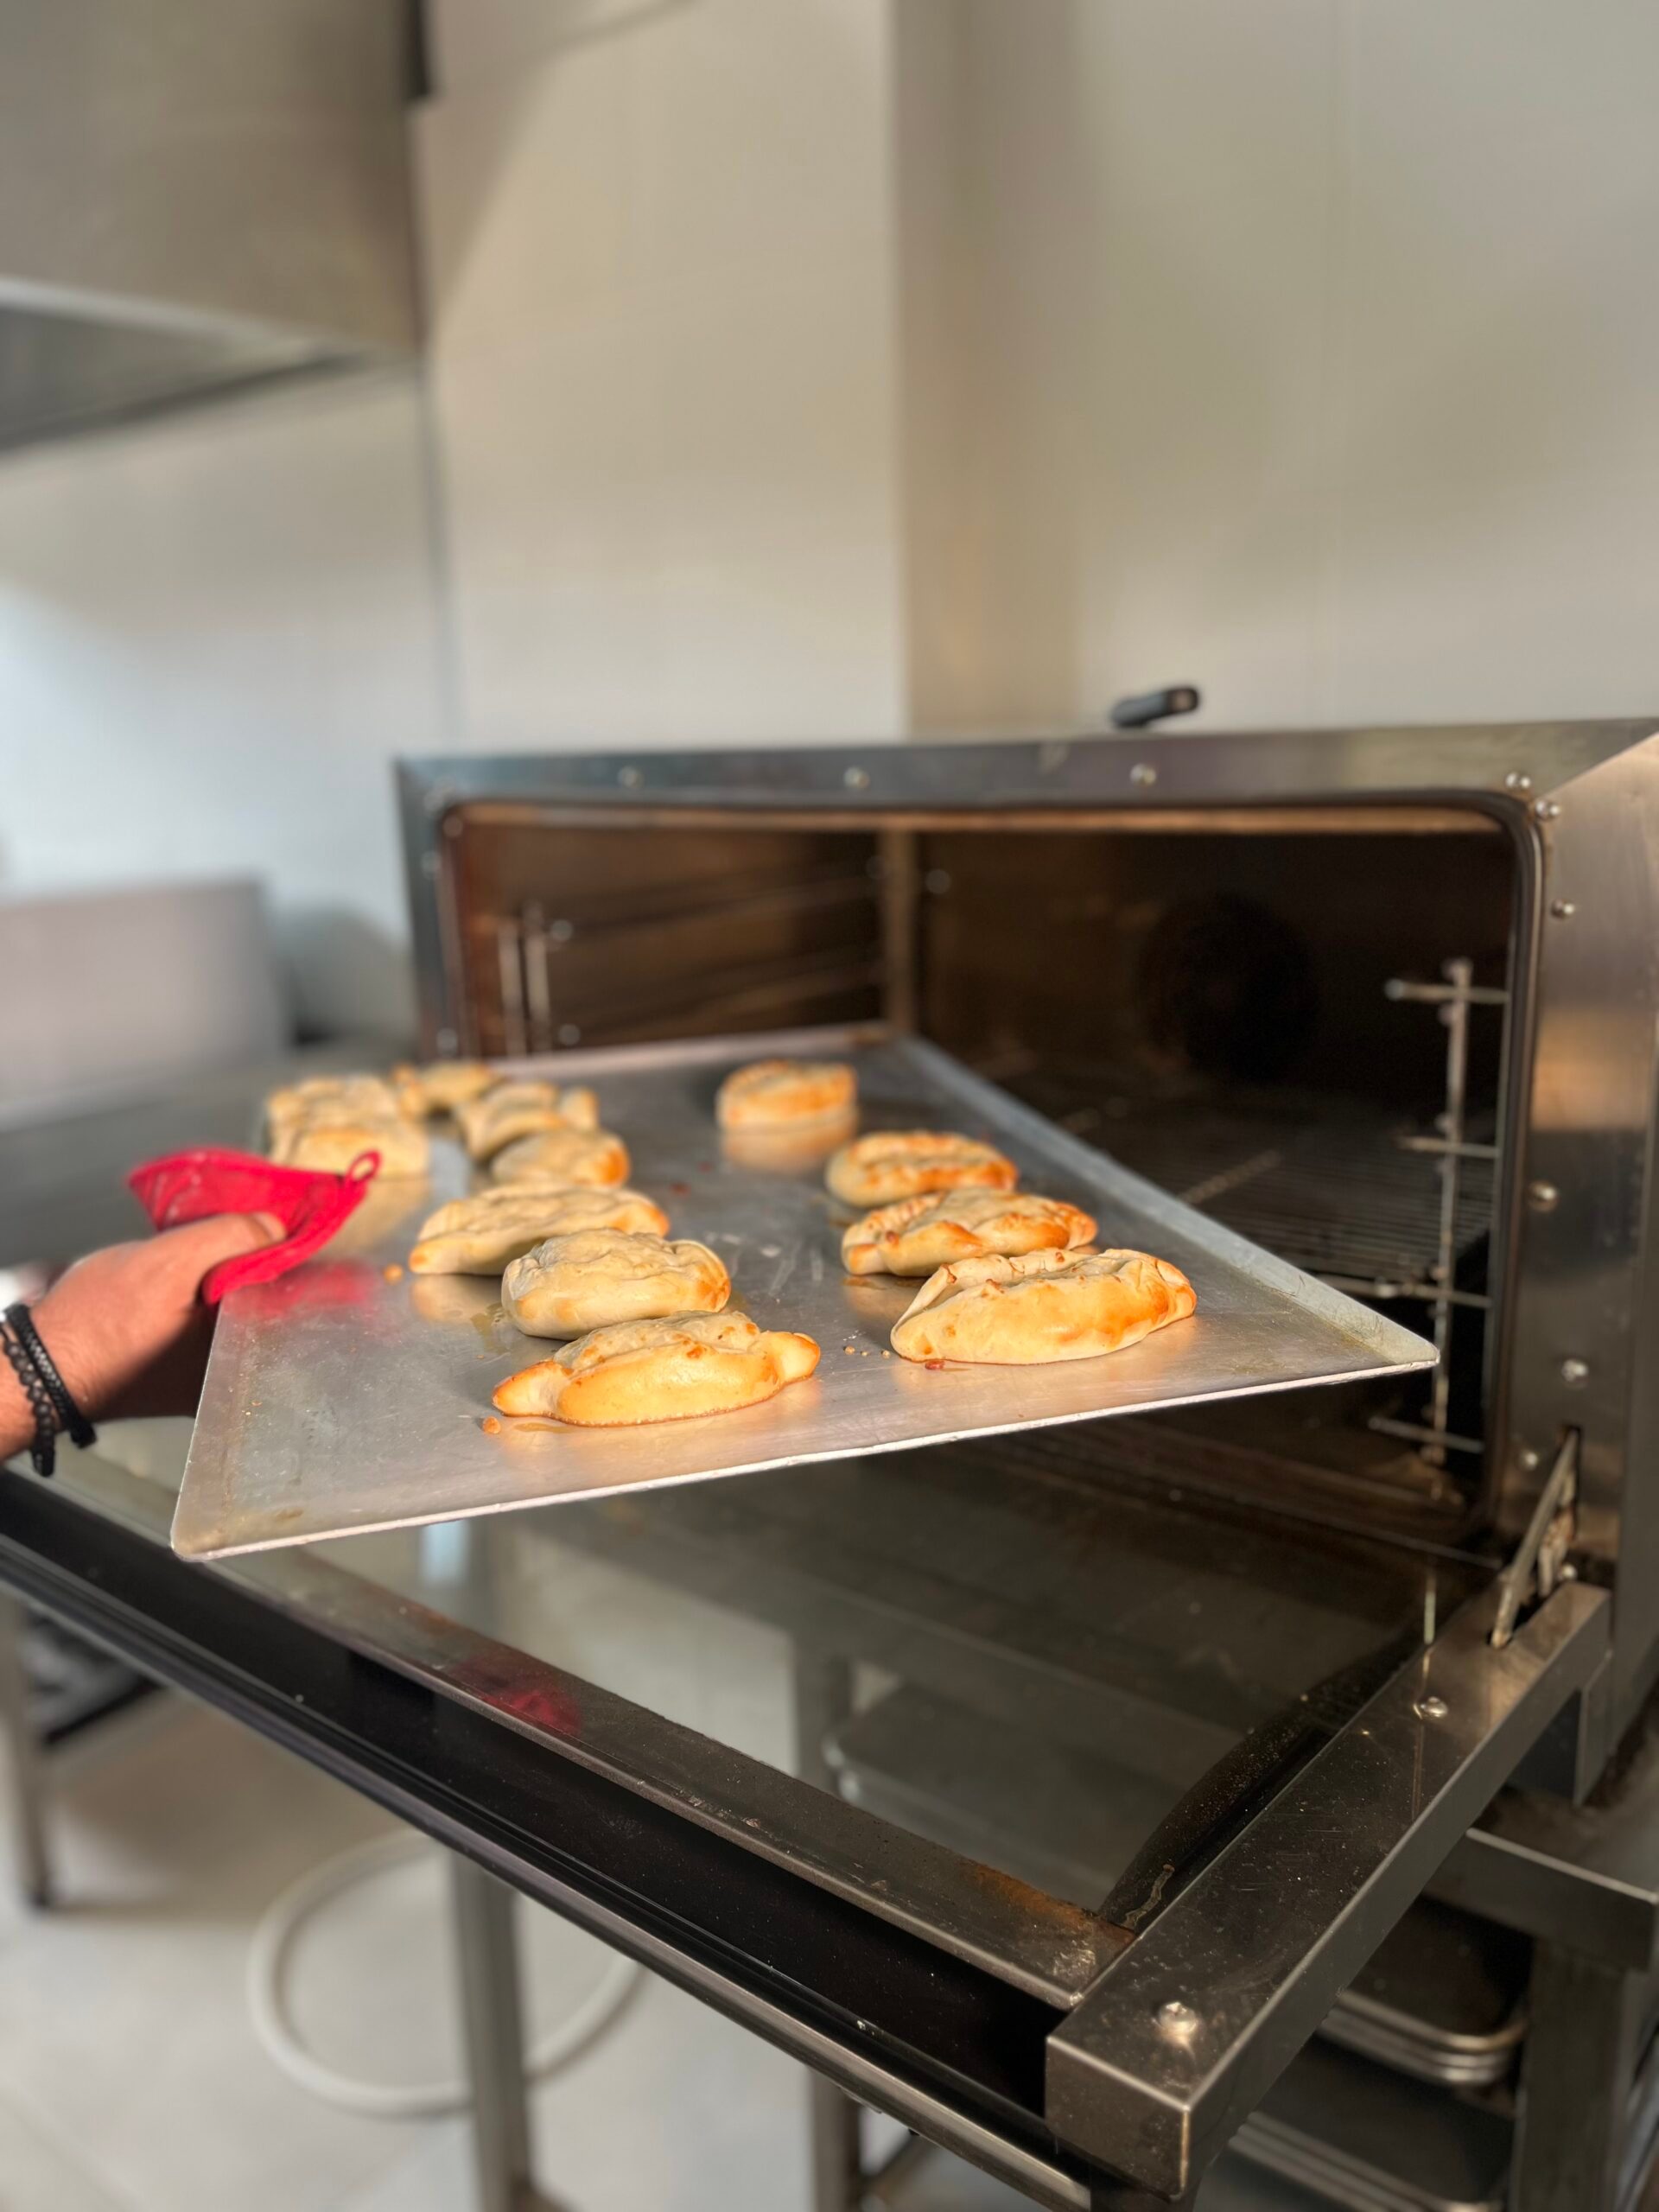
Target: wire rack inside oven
(1330, 1186)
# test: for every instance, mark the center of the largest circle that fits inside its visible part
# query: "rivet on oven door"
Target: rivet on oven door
(1518, 780)
(857, 780)
(1177, 2019)
(1143, 774)
(569, 1034)
(1563, 909)
(1542, 1198)
(1431, 1708)
(1544, 809)
(560, 933)
(429, 863)
(1575, 1373)
(446, 1040)
(629, 778)
(441, 798)
(452, 825)
(1528, 1460)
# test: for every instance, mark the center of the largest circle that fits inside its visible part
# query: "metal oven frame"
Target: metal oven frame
(1575, 1221)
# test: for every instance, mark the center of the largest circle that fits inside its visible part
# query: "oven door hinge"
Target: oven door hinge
(1540, 1562)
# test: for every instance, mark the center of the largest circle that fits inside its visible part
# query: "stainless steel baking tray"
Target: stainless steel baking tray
(344, 1396)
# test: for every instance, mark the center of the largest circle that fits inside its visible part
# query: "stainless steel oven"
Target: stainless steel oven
(1385, 1001)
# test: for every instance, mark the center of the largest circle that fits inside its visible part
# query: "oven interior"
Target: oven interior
(1299, 1023)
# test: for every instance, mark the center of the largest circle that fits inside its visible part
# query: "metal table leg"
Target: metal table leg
(838, 2148)
(25, 1785)
(493, 2019)
(823, 1698)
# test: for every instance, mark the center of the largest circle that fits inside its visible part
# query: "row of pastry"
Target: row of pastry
(580, 1257)
(520, 1128)
(1010, 1277)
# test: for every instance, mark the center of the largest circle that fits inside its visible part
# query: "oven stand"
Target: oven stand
(25, 1777)
(1580, 2059)
(824, 1699)
(492, 2025)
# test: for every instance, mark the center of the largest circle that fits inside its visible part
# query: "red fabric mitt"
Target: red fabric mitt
(190, 1186)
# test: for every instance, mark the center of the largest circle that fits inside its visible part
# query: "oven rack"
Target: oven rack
(1332, 1187)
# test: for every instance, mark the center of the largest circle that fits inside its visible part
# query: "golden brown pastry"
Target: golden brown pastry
(914, 1236)
(892, 1164)
(480, 1234)
(512, 1111)
(441, 1086)
(592, 1278)
(590, 1156)
(1042, 1306)
(331, 1145)
(660, 1370)
(782, 1094)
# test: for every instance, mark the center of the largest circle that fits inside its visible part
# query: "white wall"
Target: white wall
(215, 633)
(663, 294)
(1317, 343)
(806, 368)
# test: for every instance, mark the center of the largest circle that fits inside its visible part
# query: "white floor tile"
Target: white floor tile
(675, 2109)
(123, 2028)
(37, 2175)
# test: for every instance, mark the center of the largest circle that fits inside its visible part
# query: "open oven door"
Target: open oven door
(1236, 1954)
(1093, 2056)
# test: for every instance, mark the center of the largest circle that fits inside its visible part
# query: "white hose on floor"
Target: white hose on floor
(267, 2007)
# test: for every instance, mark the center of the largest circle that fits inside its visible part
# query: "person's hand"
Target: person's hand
(126, 1327)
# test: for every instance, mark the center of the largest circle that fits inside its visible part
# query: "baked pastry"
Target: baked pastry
(660, 1370)
(914, 1236)
(331, 1097)
(782, 1094)
(591, 1156)
(511, 1111)
(591, 1278)
(480, 1234)
(892, 1164)
(441, 1086)
(1042, 1306)
(331, 1144)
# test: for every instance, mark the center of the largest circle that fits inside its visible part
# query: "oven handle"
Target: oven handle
(1182, 2036)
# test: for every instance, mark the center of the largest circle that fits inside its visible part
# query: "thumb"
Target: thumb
(224, 1236)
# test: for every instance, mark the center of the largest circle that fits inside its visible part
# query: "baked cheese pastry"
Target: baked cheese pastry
(441, 1086)
(331, 1097)
(331, 1145)
(914, 1236)
(592, 1278)
(481, 1234)
(590, 1156)
(512, 1111)
(892, 1164)
(782, 1094)
(660, 1370)
(1042, 1306)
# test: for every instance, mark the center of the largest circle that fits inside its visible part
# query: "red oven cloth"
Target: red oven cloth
(190, 1186)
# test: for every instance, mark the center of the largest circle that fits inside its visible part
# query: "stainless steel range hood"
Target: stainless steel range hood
(196, 195)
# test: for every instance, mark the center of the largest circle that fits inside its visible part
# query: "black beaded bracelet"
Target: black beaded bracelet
(70, 1416)
(43, 1451)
